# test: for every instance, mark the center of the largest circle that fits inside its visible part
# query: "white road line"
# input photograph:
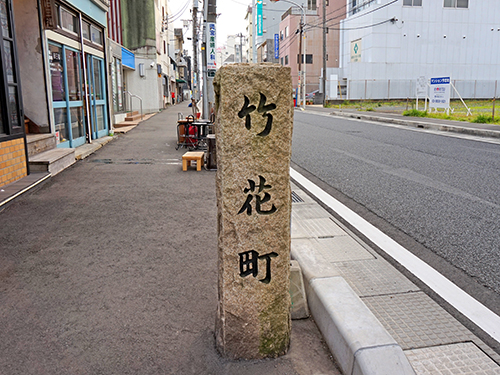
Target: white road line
(443, 133)
(483, 317)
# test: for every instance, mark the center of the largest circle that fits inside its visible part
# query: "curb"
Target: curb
(358, 341)
(421, 124)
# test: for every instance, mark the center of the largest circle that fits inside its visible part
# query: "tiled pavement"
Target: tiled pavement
(433, 340)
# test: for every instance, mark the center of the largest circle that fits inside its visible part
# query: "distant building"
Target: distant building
(387, 45)
(250, 35)
(266, 19)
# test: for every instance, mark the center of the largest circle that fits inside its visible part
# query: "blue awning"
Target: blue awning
(128, 58)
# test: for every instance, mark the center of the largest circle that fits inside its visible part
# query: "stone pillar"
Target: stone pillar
(254, 134)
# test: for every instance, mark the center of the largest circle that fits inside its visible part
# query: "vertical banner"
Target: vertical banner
(276, 46)
(211, 42)
(440, 92)
(259, 18)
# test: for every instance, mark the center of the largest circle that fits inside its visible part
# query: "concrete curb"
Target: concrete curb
(420, 124)
(358, 341)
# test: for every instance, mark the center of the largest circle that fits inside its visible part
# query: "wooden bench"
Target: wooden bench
(188, 157)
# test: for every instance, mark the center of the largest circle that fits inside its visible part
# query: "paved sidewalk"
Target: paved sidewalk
(433, 341)
(110, 267)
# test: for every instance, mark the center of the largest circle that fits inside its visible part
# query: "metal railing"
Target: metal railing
(367, 89)
(134, 96)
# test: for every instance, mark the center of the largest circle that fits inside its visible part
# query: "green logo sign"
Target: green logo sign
(356, 48)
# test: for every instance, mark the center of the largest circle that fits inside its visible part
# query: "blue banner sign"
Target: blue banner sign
(440, 81)
(276, 46)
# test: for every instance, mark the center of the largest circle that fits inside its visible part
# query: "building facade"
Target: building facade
(312, 62)
(386, 45)
(13, 149)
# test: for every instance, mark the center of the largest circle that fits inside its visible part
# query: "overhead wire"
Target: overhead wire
(179, 13)
(309, 26)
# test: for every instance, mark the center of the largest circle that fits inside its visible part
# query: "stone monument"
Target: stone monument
(254, 119)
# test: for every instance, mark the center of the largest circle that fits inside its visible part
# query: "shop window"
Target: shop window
(57, 73)
(60, 120)
(116, 82)
(96, 35)
(98, 92)
(4, 18)
(86, 30)
(10, 104)
(73, 72)
(77, 125)
(68, 21)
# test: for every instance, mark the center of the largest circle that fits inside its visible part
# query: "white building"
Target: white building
(386, 45)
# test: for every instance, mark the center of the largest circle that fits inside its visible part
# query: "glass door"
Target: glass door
(67, 95)
(97, 96)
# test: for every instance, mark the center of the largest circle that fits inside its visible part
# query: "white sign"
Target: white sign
(211, 64)
(356, 50)
(421, 86)
(440, 92)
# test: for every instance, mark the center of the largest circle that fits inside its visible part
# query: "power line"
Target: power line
(354, 17)
(179, 13)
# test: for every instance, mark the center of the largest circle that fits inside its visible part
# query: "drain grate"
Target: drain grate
(135, 161)
(296, 198)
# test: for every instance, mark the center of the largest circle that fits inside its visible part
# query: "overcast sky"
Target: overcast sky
(231, 18)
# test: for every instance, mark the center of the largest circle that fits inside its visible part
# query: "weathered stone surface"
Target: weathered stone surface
(253, 164)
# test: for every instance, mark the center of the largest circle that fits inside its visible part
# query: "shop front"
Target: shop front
(76, 61)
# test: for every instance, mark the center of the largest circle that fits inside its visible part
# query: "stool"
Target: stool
(190, 156)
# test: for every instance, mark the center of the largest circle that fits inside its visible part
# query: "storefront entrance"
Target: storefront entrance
(67, 95)
(97, 96)
(72, 122)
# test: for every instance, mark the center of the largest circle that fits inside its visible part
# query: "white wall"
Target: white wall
(147, 87)
(415, 45)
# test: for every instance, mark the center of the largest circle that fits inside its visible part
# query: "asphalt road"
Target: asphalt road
(438, 195)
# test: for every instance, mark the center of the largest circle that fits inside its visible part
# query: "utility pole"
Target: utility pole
(196, 74)
(241, 36)
(324, 53)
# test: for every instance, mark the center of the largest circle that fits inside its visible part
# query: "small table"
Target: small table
(189, 156)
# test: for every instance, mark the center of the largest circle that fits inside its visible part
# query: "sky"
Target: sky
(231, 19)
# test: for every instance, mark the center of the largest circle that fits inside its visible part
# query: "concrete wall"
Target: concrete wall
(29, 48)
(415, 45)
(148, 87)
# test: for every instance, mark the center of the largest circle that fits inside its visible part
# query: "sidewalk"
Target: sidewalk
(110, 267)
(117, 275)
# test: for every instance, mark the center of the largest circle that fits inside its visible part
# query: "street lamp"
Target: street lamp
(302, 51)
